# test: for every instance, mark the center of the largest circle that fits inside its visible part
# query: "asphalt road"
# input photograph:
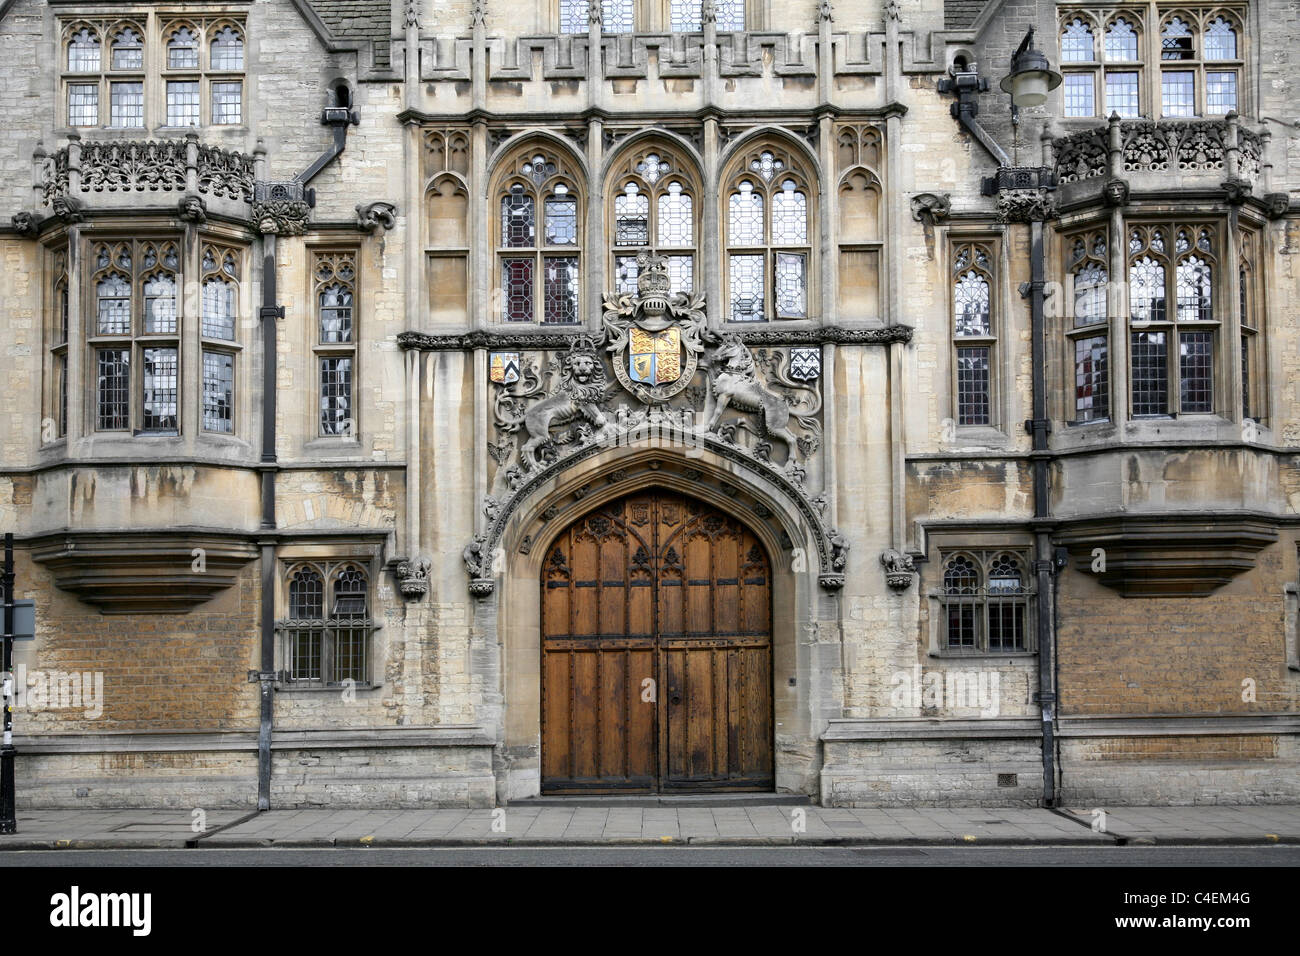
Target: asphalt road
(1197, 856)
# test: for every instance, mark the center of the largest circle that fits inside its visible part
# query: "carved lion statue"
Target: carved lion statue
(578, 397)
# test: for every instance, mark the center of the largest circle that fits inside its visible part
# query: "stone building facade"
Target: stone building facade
(446, 402)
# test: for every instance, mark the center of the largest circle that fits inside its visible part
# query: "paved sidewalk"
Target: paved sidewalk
(754, 825)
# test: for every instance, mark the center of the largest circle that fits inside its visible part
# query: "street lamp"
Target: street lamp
(1031, 77)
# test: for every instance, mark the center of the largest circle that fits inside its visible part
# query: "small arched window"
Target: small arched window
(336, 341)
(1077, 42)
(1176, 40)
(1121, 41)
(227, 52)
(654, 208)
(83, 51)
(128, 50)
(326, 637)
(985, 598)
(769, 253)
(1220, 40)
(183, 50)
(539, 234)
(219, 292)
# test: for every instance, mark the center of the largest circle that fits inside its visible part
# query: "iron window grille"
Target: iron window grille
(328, 635)
(984, 599)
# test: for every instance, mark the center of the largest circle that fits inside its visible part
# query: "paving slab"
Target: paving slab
(586, 824)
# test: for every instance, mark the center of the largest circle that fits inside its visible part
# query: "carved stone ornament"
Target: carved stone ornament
(413, 14)
(1277, 205)
(899, 569)
(930, 208)
(1024, 205)
(1236, 191)
(825, 11)
(371, 217)
(69, 209)
(413, 577)
(654, 337)
(192, 209)
(478, 13)
(281, 217)
(26, 224)
(1115, 192)
(892, 10)
(594, 12)
(577, 399)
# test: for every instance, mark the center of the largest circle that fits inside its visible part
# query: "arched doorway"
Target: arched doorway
(656, 651)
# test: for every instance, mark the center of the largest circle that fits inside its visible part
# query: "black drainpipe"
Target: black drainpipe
(339, 117)
(1043, 553)
(966, 84)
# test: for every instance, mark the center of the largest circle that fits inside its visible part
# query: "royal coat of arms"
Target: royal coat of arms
(654, 337)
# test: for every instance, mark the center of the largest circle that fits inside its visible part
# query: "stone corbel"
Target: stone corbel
(1236, 190)
(69, 209)
(1277, 205)
(27, 224)
(898, 569)
(929, 208)
(1024, 205)
(1115, 191)
(282, 208)
(413, 577)
(192, 209)
(371, 217)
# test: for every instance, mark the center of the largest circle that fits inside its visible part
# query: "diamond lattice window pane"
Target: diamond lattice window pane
(517, 289)
(791, 285)
(561, 290)
(561, 220)
(745, 216)
(631, 217)
(681, 274)
(616, 16)
(1076, 42)
(518, 219)
(625, 273)
(83, 52)
(789, 215)
(676, 210)
(746, 293)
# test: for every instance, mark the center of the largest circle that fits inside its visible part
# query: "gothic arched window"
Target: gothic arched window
(1172, 263)
(1089, 335)
(768, 237)
(985, 599)
(653, 206)
(327, 635)
(539, 238)
(335, 349)
(974, 335)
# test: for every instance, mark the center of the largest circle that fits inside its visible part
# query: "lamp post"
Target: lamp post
(1030, 80)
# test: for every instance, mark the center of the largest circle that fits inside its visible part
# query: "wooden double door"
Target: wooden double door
(656, 651)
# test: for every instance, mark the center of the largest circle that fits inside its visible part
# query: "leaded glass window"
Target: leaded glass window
(128, 50)
(1220, 40)
(218, 391)
(768, 238)
(113, 389)
(160, 380)
(183, 50)
(1076, 42)
(183, 103)
(654, 209)
(1176, 40)
(1121, 41)
(83, 52)
(537, 283)
(335, 275)
(227, 50)
(973, 332)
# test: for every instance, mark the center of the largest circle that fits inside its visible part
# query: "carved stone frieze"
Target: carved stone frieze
(1024, 205)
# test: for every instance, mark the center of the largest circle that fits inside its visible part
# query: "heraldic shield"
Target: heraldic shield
(660, 331)
(655, 358)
